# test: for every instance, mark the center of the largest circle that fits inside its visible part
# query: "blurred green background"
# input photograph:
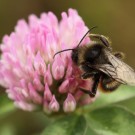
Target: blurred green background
(114, 18)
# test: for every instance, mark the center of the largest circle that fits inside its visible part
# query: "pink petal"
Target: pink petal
(54, 105)
(47, 93)
(58, 68)
(48, 76)
(35, 97)
(64, 87)
(69, 104)
(39, 64)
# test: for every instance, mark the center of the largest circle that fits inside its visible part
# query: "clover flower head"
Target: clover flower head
(29, 73)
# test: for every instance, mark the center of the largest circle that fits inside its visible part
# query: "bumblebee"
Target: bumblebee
(99, 62)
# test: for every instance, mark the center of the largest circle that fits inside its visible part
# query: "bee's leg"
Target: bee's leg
(103, 39)
(92, 93)
(88, 74)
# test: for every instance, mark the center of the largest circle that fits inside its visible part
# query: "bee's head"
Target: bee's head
(92, 52)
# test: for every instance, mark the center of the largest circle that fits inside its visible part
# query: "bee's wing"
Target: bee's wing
(118, 70)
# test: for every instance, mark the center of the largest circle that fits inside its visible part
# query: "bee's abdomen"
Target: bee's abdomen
(108, 84)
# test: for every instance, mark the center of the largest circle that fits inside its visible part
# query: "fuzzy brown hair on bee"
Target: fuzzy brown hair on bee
(99, 62)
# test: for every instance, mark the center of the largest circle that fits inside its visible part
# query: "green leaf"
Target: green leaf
(129, 103)
(24, 123)
(7, 130)
(123, 93)
(90, 131)
(69, 125)
(6, 106)
(113, 120)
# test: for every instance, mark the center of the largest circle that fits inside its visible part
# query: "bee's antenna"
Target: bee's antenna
(78, 44)
(62, 51)
(86, 34)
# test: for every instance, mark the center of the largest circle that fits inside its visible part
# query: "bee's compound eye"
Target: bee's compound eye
(93, 52)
